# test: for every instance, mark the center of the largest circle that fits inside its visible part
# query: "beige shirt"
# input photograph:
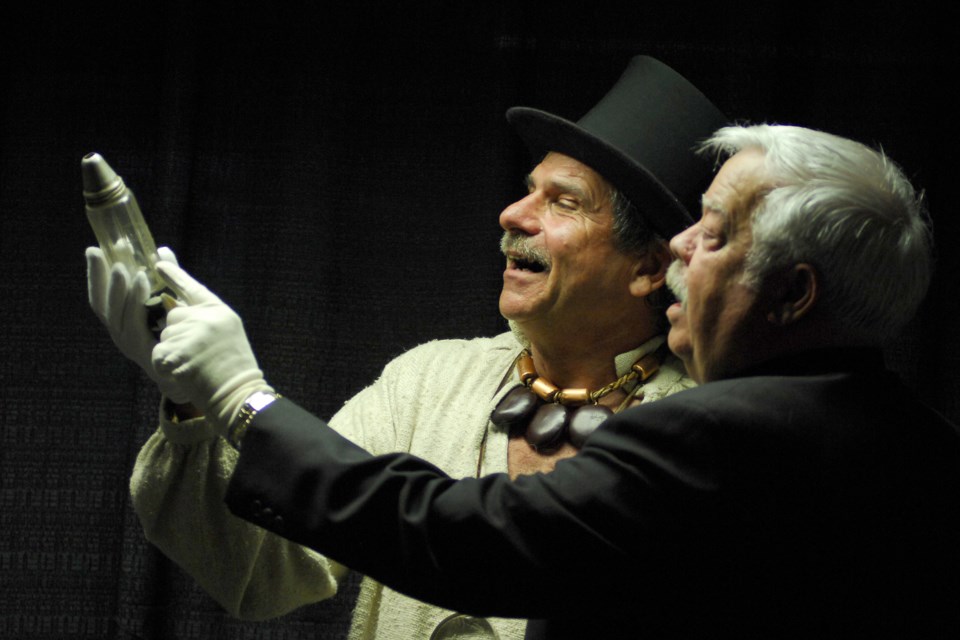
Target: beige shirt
(433, 401)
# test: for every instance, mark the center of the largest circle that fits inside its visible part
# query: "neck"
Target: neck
(766, 342)
(579, 361)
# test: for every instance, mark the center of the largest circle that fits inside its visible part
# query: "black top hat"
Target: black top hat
(640, 137)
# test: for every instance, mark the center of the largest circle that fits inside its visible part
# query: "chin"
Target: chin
(514, 305)
(680, 345)
(518, 308)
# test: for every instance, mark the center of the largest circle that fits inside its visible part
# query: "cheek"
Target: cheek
(704, 307)
(697, 290)
(562, 247)
(678, 340)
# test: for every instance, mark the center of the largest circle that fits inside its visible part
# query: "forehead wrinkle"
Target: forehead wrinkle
(746, 186)
(735, 202)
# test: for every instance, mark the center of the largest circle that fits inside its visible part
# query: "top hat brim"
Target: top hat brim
(544, 132)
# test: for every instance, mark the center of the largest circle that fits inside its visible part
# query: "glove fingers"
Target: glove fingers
(166, 254)
(97, 282)
(117, 292)
(186, 288)
(168, 354)
(135, 310)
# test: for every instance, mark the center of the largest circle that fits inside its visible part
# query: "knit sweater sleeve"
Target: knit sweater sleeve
(181, 474)
(177, 487)
(180, 478)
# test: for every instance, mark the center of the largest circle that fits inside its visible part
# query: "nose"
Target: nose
(681, 245)
(522, 216)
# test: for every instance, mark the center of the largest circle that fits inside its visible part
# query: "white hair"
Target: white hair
(846, 209)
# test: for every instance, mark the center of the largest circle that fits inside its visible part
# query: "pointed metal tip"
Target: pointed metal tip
(99, 179)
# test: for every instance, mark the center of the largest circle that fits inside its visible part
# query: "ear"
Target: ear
(650, 271)
(796, 295)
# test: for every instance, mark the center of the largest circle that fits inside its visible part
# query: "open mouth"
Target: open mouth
(527, 265)
(523, 255)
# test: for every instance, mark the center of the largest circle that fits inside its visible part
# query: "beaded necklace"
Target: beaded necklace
(546, 414)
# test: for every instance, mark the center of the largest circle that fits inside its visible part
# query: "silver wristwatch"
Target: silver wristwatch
(253, 405)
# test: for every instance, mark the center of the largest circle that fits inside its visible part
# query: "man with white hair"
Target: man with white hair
(800, 492)
(825, 217)
(585, 265)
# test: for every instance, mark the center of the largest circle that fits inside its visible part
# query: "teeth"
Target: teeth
(524, 254)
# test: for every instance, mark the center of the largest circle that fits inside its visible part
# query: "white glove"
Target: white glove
(117, 298)
(204, 351)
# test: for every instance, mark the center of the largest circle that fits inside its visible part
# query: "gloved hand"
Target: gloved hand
(204, 351)
(118, 298)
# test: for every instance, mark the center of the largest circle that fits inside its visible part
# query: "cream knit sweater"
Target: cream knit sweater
(433, 401)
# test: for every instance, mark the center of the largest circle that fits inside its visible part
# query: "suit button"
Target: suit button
(278, 523)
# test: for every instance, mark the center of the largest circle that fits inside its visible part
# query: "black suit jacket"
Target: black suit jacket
(810, 498)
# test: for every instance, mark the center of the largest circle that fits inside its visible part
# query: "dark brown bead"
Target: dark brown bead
(585, 421)
(515, 409)
(547, 427)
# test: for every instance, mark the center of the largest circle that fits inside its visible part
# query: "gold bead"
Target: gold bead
(647, 366)
(546, 390)
(574, 396)
(525, 368)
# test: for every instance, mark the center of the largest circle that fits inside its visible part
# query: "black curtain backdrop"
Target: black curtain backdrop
(335, 174)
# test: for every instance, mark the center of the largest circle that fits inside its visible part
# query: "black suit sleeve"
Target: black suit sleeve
(808, 506)
(533, 547)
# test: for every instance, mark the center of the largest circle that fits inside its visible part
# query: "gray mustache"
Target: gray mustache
(676, 282)
(523, 249)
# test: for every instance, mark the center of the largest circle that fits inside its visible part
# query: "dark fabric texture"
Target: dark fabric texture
(335, 172)
(810, 498)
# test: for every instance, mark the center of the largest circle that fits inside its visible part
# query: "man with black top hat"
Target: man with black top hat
(586, 261)
(801, 491)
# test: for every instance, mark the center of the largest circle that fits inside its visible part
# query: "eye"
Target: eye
(712, 228)
(711, 240)
(566, 204)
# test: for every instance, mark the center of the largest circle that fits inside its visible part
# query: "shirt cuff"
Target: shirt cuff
(184, 432)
